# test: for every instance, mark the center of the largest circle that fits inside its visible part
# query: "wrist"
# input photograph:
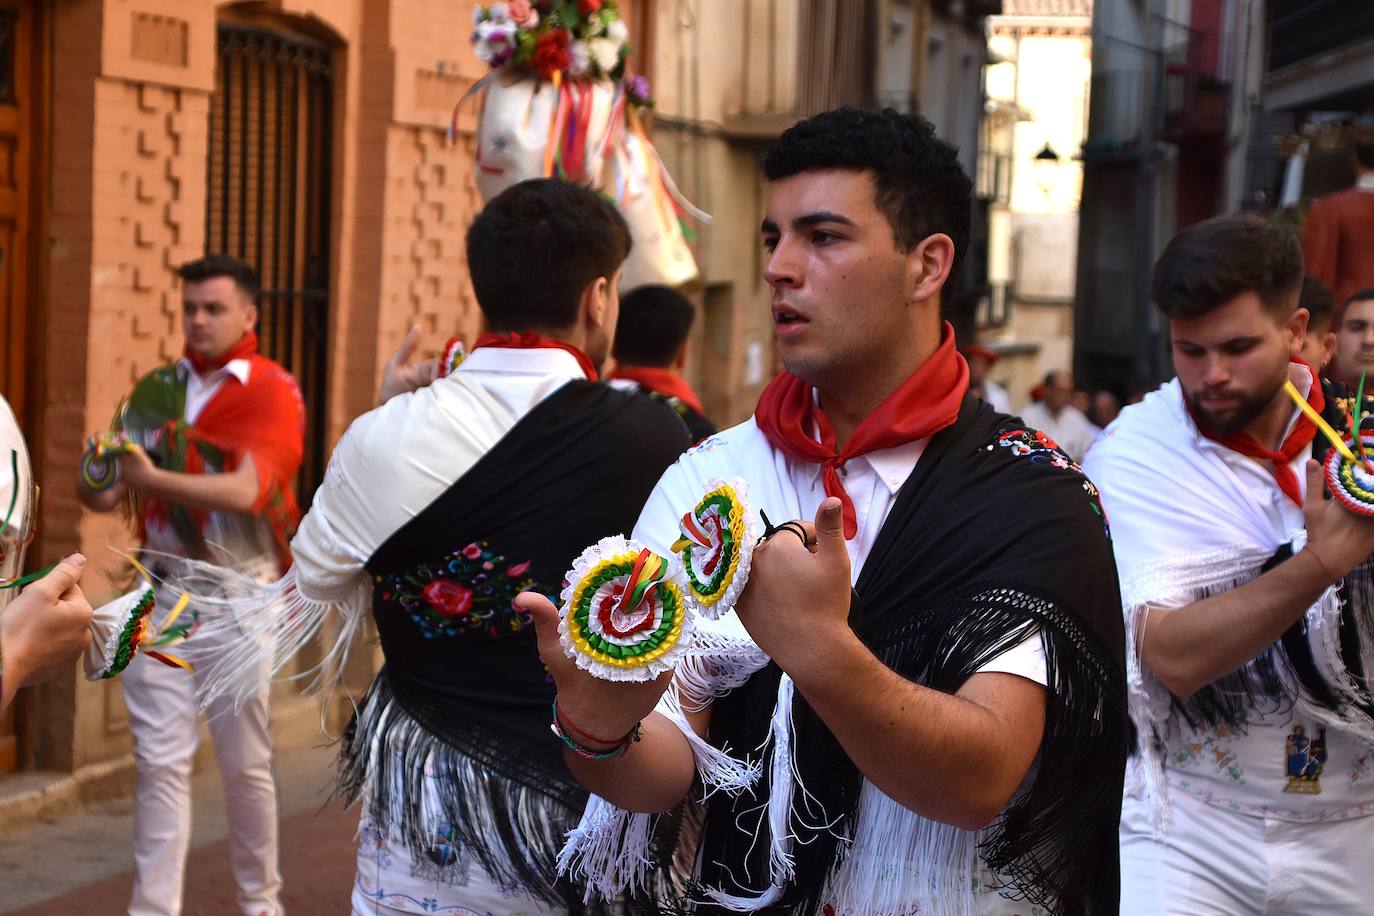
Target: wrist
(592, 723)
(824, 655)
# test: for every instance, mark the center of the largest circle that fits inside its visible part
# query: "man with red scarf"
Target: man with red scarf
(918, 704)
(651, 351)
(1247, 600)
(215, 442)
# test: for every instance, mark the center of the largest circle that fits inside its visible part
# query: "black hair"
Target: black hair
(1361, 295)
(222, 265)
(536, 246)
(654, 324)
(1214, 261)
(1319, 302)
(921, 187)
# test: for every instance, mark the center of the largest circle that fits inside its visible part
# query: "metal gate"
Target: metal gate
(268, 181)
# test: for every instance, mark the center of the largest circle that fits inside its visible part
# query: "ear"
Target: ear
(595, 303)
(928, 266)
(680, 362)
(251, 316)
(1296, 326)
(1328, 349)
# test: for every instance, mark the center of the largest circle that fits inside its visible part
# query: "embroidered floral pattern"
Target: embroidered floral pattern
(1025, 442)
(468, 592)
(1212, 748)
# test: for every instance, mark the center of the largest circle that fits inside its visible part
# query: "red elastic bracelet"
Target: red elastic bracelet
(1334, 580)
(563, 719)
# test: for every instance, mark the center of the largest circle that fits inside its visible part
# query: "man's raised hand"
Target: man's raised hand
(603, 708)
(399, 376)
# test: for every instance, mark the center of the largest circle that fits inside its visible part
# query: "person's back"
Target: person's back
(430, 521)
(650, 351)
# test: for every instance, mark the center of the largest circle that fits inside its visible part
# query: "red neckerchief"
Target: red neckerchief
(533, 340)
(921, 406)
(1302, 435)
(664, 381)
(246, 348)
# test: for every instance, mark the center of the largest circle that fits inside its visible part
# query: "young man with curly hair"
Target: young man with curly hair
(933, 669)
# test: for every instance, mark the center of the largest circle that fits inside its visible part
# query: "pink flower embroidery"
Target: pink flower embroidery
(448, 598)
(518, 569)
(472, 551)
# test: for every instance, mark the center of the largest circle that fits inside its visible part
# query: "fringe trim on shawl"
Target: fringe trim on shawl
(1268, 684)
(416, 784)
(887, 866)
(611, 850)
(245, 624)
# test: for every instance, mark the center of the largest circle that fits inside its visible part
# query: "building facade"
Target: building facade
(731, 75)
(1031, 175)
(309, 137)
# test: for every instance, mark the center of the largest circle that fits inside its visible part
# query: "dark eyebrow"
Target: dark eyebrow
(810, 219)
(823, 216)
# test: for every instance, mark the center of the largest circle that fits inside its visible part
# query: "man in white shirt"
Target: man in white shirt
(1057, 418)
(432, 517)
(1246, 598)
(981, 358)
(226, 427)
(886, 633)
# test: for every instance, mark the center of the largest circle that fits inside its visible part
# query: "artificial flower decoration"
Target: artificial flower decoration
(575, 39)
(623, 615)
(716, 547)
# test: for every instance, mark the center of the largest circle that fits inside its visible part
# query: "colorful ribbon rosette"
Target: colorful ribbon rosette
(1350, 476)
(99, 469)
(124, 627)
(623, 613)
(716, 546)
(1352, 481)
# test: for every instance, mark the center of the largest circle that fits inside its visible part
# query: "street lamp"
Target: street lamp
(1046, 168)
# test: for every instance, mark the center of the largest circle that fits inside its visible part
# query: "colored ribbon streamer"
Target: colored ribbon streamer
(648, 570)
(1336, 439)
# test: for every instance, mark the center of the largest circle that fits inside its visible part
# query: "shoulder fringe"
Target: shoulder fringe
(609, 852)
(246, 625)
(1152, 707)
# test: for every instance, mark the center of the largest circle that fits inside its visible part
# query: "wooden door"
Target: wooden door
(18, 120)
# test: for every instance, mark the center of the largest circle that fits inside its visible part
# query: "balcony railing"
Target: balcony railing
(1197, 103)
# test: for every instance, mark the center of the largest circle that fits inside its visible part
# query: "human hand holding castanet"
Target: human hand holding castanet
(604, 708)
(1342, 538)
(797, 600)
(46, 628)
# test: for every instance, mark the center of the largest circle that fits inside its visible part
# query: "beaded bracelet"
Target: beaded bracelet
(586, 753)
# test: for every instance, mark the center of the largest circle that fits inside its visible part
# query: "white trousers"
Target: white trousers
(1216, 862)
(163, 718)
(391, 883)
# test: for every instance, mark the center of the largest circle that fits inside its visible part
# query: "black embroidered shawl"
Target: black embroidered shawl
(461, 662)
(996, 535)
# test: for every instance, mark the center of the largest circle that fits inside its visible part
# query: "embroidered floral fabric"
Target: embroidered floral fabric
(1033, 444)
(467, 592)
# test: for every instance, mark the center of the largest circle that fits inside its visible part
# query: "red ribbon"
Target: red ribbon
(533, 340)
(664, 381)
(1304, 431)
(246, 348)
(927, 402)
